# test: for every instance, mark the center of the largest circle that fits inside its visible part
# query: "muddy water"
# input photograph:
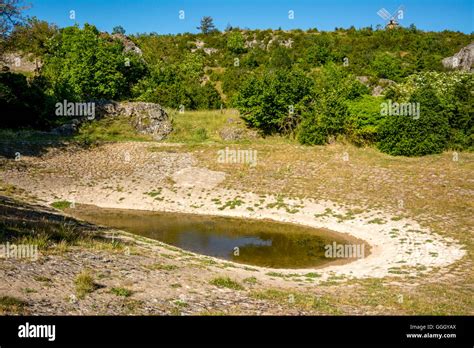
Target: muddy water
(253, 242)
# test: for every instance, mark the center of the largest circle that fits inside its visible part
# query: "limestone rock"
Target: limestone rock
(146, 118)
(128, 45)
(231, 133)
(463, 60)
(66, 129)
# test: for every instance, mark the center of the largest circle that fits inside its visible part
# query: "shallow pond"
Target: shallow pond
(253, 242)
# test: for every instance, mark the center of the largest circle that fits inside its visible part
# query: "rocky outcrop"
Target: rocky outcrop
(377, 87)
(231, 133)
(463, 60)
(67, 129)
(128, 45)
(20, 62)
(146, 118)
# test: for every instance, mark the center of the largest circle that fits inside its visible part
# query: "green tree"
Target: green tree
(34, 37)
(387, 66)
(363, 120)
(118, 30)
(10, 16)
(82, 64)
(280, 58)
(207, 25)
(327, 117)
(404, 135)
(235, 42)
(273, 102)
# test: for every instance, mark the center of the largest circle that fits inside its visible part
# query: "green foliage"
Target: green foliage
(23, 102)
(280, 58)
(176, 85)
(83, 64)
(411, 136)
(226, 282)
(386, 66)
(364, 119)
(321, 50)
(207, 25)
(33, 37)
(289, 82)
(10, 15)
(118, 30)
(61, 205)
(123, 292)
(453, 91)
(273, 101)
(235, 42)
(329, 111)
(232, 79)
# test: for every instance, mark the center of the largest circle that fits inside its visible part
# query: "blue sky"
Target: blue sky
(162, 16)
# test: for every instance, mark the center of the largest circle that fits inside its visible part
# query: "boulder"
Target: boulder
(146, 118)
(66, 129)
(231, 133)
(382, 84)
(128, 44)
(463, 60)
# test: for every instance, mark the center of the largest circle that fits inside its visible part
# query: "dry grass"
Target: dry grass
(436, 191)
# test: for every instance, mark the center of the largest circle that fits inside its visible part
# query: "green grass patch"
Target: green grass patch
(226, 282)
(85, 284)
(123, 292)
(13, 305)
(61, 205)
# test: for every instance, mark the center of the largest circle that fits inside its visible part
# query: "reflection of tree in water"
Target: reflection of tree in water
(295, 250)
(260, 243)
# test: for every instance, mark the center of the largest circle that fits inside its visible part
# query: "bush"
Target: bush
(235, 42)
(326, 119)
(329, 111)
(453, 92)
(232, 79)
(23, 103)
(173, 85)
(387, 66)
(82, 64)
(363, 121)
(408, 136)
(273, 101)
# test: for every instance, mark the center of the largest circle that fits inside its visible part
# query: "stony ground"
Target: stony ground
(415, 266)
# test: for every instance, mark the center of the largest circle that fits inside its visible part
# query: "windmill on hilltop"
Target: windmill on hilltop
(392, 18)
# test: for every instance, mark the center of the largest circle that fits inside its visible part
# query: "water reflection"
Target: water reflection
(254, 242)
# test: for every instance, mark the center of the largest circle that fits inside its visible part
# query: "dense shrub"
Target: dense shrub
(329, 111)
(363, 120)
(411, 136)
(235, 42)
(273, 101)
(387, 66)
(176, 85)
(81, 64)
(453, 91)
(232, 79)
(23, 103)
